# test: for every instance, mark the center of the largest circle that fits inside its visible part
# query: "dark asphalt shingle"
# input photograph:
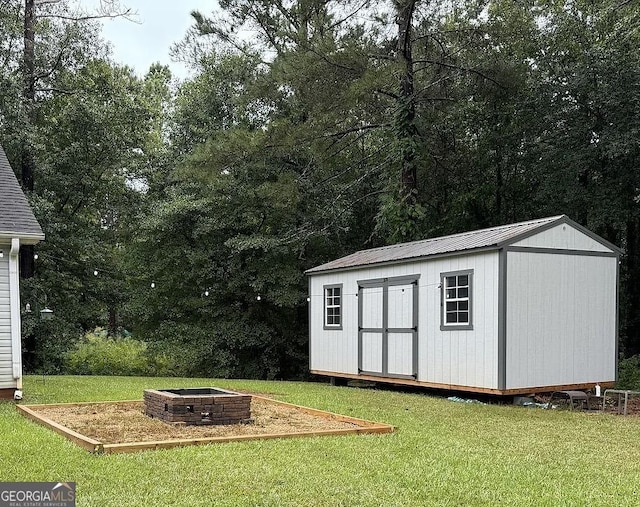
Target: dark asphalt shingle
(16, 217)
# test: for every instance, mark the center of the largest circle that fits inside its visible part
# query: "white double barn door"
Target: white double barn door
(388, 326)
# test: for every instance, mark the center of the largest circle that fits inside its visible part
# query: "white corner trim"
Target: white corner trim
(14, 306)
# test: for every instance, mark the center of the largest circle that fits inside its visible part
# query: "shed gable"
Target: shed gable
(563, 236)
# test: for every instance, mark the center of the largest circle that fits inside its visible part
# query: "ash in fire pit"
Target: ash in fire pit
(198, 406)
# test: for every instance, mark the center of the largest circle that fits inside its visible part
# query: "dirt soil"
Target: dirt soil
(633, 404)
(120, 422)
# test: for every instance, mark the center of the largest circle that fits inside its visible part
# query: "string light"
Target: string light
(207, 292)
(378, 290)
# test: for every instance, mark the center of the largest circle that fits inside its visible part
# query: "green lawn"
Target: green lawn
(443, 453)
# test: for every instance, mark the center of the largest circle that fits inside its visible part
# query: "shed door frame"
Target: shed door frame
(384, 284)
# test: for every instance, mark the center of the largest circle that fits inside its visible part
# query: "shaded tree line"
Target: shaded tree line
(308, 130)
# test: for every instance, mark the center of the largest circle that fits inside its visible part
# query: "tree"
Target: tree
(87, 200)
(587, 150)
(338, 126)
(280, 164)
(213, 246)
(31, 79)
(87, 125)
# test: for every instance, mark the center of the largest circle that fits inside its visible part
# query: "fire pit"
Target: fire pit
(197, 406)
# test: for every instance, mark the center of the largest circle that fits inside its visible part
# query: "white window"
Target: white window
(333, 306)
(456, 300)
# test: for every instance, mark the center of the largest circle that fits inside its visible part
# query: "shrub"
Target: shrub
(97, 354)
(629, 373)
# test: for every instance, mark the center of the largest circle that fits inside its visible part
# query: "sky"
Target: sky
(160, 24)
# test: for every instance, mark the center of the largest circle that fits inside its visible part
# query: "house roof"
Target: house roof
(16, 217)
(493, 237)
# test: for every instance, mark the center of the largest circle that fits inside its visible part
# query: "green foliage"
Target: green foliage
(300, 146)
(400, 221)
(288, 160)
(93, 131)
(99, 354)
(83, 198)
(221, 247)
(629, 373)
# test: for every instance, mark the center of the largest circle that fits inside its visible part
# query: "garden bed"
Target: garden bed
(122, 426)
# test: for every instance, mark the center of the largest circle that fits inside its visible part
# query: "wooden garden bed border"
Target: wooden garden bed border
(95, 446)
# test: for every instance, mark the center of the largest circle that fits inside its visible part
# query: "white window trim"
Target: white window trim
(455, 326)
(325, 306)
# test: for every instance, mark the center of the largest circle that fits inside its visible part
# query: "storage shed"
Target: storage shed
(519, 308)
(18, 227)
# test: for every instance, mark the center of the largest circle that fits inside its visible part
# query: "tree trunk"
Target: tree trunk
(28, 93)
(405, 121)
(28, 162)
(113, 322)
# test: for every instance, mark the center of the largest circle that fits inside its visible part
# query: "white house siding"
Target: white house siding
(561, 319)
(6, 374)
(563, 236)
(462, 358)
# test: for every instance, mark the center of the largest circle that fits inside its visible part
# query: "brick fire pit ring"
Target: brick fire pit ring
(197, 406)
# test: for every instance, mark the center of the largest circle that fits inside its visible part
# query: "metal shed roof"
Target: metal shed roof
(16, 217)
(493, 237)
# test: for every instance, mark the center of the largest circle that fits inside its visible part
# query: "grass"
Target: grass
(443, 453)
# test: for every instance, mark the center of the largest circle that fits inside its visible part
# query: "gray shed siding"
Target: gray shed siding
(460, 357)
(6, 373)
(561, 319)
(563, 236)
